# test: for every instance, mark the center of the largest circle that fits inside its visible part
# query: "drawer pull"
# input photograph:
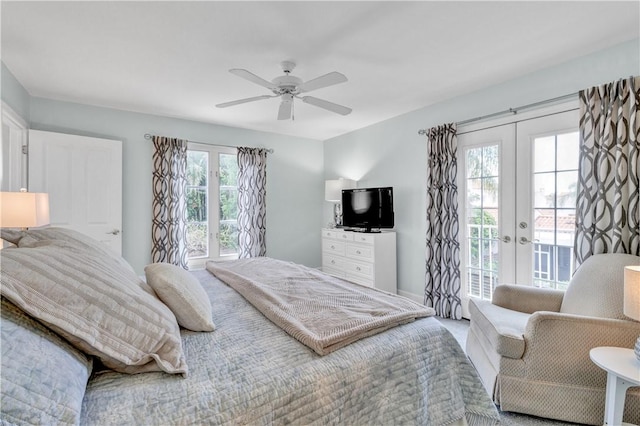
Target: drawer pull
(358, 252)
(333, 247)
(333, 262)
(358, 268)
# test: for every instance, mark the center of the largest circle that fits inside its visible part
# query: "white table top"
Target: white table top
(620, 361)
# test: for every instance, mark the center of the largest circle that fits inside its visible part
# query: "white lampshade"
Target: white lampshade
(23, 209)
(632, 292)
(333, 189)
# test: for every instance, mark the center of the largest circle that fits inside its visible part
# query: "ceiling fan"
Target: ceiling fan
(289, 87)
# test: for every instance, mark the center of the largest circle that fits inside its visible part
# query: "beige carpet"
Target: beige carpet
(459, 329)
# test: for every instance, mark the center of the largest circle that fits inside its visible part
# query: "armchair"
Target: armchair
(531, 345)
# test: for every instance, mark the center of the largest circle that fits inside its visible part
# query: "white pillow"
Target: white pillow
(183, 294)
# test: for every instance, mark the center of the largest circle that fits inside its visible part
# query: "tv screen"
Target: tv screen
(367, 208)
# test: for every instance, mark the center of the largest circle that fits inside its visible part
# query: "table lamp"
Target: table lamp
(333, 193)
(632, 298)
(24, 209)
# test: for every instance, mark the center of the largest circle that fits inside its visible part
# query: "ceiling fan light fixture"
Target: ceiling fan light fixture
(289, 87)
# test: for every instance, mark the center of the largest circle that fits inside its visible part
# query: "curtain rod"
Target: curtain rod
(509, 111)
(269, 150)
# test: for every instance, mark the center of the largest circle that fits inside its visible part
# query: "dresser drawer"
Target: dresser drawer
(333, 262)
(335, 272)
(326, 233)
(344, 236)
(359, 251)
(364, 270)
(333, 246)
(360, 280)
(363, 238)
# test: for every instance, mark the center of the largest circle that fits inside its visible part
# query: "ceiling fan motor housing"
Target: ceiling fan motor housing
(286, 84)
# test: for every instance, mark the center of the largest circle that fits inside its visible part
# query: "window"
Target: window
(482, 168)
(212, 203)
(555, 179)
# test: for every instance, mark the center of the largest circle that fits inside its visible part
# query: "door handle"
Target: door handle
(113, 232)
(505, 239)
(524, 240)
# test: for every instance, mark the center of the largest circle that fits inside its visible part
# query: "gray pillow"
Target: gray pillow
(43, 378)
(183, 294)
(96, 304)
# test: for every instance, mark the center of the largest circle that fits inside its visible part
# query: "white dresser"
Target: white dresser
(364, 258)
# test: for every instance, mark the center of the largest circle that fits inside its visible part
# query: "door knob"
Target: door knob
(114, 232)
(524, 240)
(505, 239)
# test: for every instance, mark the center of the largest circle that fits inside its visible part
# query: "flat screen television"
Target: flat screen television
(367, 209)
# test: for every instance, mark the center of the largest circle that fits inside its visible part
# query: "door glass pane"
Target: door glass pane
(554, 199)
(482, 182)
(197, 204)
(228, 229)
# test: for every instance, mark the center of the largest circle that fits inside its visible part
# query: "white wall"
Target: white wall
(295, 189)
(391, 153)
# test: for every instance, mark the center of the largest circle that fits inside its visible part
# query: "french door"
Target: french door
(517, 186)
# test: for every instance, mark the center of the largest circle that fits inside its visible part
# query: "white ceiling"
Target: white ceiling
(172, 58)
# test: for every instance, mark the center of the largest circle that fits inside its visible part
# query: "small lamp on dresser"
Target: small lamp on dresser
(333, 193)
(632, 298)
(24, 209)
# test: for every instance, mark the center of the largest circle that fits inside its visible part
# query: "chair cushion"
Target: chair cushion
(597, 287)
(503, 328)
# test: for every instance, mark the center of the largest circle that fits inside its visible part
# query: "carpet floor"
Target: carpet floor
(459, 329)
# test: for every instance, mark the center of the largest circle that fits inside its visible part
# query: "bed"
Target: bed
(246, 371)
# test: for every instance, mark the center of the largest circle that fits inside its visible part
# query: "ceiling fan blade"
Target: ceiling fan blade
(323, 81)
(253, 78)
(284, 113)
(330, 106)
(242, 101)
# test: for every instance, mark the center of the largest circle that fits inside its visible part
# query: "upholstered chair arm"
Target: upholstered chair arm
(527, 299)
(558, 345)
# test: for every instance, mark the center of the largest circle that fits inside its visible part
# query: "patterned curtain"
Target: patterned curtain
(168, 229)
(442, 289)
(608, 203)
(252, 206)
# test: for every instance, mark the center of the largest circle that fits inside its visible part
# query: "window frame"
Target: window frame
(213, 203)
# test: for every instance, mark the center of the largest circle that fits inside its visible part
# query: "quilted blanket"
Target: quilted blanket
(323, 312)
(248, 372)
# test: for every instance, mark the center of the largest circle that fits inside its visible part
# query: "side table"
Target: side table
(623, 372)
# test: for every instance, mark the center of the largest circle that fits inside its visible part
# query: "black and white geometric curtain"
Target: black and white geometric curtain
(608, 203)
(252, 206)
(443, 287)
(168, 228)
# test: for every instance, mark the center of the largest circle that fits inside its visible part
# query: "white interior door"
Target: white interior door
(83, 177)
(14, 137)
